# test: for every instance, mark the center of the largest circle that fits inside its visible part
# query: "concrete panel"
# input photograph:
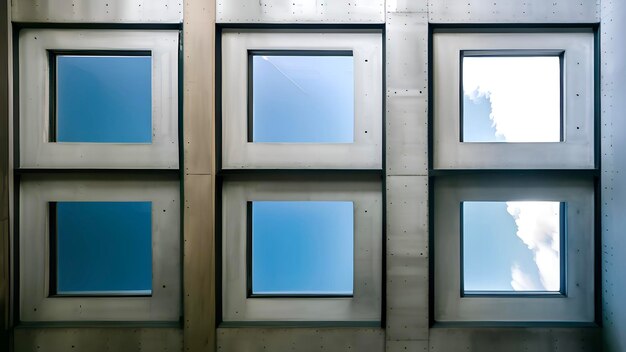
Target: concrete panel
(110, 11)
(407, 91)
(506, 11)
(199, 263)
(407, 135)
(514, 340)
(406, 346)
(407, 6)
(613, 159)
(407, 258)
(198, 86)
(301, 11)
(300, 339)
(407, 54)
(98, 339)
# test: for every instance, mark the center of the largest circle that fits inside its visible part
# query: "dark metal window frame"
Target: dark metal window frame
(562, 262)
(19, 171)
(249, 257)
(592, 174)
(223, 175)
(52, 78)
(516, 53)
(253, 53)
(53, 254)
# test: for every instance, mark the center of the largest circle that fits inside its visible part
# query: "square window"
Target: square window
(102, 99)
(503, 98)
(296, 250)
(98, 99)
(512, 99)
(302, 248)
(302, 97)
(102, 248)
(301, 100)
(115, 237)
(512, 247)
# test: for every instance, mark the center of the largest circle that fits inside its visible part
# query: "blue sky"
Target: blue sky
(303, 99)
(104, 246)
(302, 247)
(104, 99)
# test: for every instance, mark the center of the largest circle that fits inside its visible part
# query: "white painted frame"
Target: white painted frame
(363, 306)
(577, 305)
(576, 151)
(366, 150)
(36, 191)
(34, 74)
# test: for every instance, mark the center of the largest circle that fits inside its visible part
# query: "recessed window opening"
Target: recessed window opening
(301, 248)
(511, 96)
(100, 248)
(513, 247)
(101, 96)
(304, 96)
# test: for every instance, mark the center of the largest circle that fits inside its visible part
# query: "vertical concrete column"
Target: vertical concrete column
(407, 175)
(613, 162)
(199, 175)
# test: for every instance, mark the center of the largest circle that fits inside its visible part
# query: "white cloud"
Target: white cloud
(538, 226)
(520, 281)
(524, 94)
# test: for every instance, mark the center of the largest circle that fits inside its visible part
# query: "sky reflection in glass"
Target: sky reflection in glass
(511, 99)
(303, 99)
(302, 247)
(511, 246)
(104, 99)
(104, 247)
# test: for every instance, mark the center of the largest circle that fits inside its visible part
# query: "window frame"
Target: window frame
(575, 306)
(35, 148)
(53, 267)
(53, 74)
(249, 263)
(276, 52)
(511, 293)
(365, 304)
(366, 150)
(514, 53)
(577, 151)
(38, 305)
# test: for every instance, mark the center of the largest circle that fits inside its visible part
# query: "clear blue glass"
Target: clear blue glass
(302, 247)
(104, 99)
(511, 246)
(303, 99)
(104, 248)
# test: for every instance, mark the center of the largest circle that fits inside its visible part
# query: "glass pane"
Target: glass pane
(104, 247)
(511, 99)
(104, 99)
(302, 248)
(511, 246)
(303, 99)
